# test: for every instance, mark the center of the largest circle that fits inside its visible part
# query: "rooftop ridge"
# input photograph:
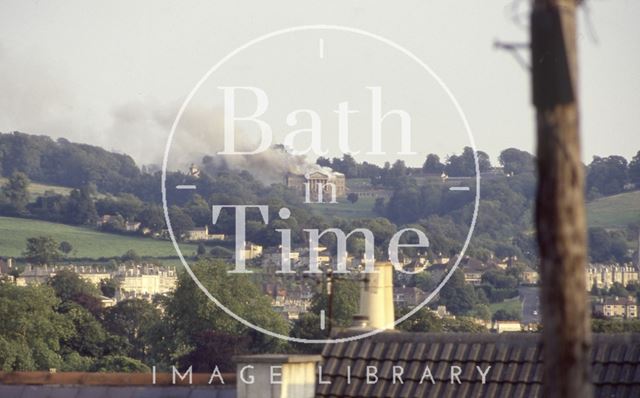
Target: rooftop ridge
(109, 379)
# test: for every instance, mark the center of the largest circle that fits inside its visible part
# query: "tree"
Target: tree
(515, 161)
(432, 164)
(190, 313)
(352, 197)
(89, 336)
(499, 279)
(202, 249)
(125, 204)
(90, 301)
(507, 315)
(484, 162)
(398, 169)
(130, 255)
(199, 210)
(422, 321)
(115, 224)
(109, 286)
(221, 252)
(31, 330)
(68, 286)
(379, 206)
(607, 176)
(152, 217)
(213, 348)
(425, 281)
(616, 325)
(634, 170)
(42, 250)
(426, 320)
(347, 165)
(607, 246)
(505, 250)
(618, 290)
(16, 191)
(65, 247)
(324, 162)
(80, 209)
(180, 222)
(345, 296)
(64, 163)
(458, 296)
(464, 165)
(133, 319)
(404, 205)
(481, 311)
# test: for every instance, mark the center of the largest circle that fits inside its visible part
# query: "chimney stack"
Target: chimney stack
(376, 297)
(277, 375)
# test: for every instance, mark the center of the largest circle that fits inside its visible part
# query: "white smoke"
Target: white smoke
(34, 100)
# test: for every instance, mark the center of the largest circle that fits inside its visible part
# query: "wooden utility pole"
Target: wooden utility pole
(560, 212)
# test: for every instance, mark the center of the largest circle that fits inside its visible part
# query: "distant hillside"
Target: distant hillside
(64, 163)
(615, 211)
(87, 243)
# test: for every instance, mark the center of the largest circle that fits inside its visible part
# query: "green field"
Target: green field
(614, 211)
(36, 189)
(86, 242)
(511, 305)
(363, 208)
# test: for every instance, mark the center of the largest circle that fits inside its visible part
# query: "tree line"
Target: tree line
(505, 210)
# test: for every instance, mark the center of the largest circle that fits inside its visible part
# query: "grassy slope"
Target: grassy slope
(87, 243)
(610, 212)
(363, 208)
(614, 211)
(513, 304)
(36, 189)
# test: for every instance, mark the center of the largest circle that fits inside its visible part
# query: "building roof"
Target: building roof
(515, 360)
(609, 300)
(111, 385)
(318, 174)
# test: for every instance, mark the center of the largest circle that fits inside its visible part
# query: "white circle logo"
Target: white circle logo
(321, 53)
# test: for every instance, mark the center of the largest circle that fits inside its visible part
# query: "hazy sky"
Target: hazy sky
(115, 73)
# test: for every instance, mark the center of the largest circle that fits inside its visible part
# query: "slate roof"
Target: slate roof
(515, 360)
(112, 385)
(60, 391)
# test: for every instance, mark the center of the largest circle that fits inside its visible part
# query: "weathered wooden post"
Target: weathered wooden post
(560, 212)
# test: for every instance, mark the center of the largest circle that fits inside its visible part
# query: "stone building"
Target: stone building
(201, 234)
(605, 275)
(250, 251)
(143, 280)
(330, 183)
(35, 275)
(623, 307)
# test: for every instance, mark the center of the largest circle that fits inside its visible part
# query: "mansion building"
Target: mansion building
(330, 183)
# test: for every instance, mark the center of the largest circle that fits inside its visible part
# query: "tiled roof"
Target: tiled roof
(515, 360)
(112, 385)
(619, 301)
(60, 391)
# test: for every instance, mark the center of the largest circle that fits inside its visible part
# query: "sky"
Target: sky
(116, 73)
